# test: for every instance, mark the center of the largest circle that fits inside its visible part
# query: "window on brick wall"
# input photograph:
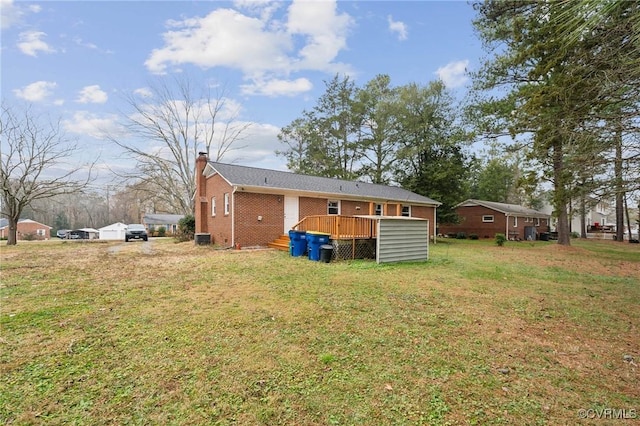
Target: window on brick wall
(487, 218)
(515, 221)
(406, 211)
(537, 221)
(213, 206)
(227, 206)
(41, 232)
(333, 207)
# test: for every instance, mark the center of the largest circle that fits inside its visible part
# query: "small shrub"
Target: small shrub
(162, 231)
(473, 236)
(500, 239)
(574, 234)
(186, 228)
(461, 235)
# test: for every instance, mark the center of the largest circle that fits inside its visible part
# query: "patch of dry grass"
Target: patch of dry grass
(166, 333)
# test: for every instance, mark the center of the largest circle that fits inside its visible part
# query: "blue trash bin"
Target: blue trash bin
(314, 241)
(298, 242)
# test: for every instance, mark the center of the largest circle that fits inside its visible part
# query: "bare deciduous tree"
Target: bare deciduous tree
(179, 122)
(34, 164)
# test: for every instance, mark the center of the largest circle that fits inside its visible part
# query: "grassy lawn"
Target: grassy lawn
(166, 333)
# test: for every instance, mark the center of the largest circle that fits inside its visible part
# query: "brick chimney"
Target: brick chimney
(201, 202)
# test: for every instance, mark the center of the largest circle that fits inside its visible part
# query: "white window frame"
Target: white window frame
(333, 204)
(379, 210)
(408, 212)
(227, 204)
(515, 221)
(488, 218)
(537, 221)
(213, 206)
(41, 232)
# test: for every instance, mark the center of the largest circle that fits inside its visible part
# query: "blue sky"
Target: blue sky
(76, 60)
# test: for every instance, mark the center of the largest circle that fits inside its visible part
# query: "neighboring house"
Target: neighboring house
(248, 206)
(27, 230)
(153, 222)
(487, 218)
(598, 215)
(115, 231)
(599, 219)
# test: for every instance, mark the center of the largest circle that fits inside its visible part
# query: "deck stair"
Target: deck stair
(281, 243)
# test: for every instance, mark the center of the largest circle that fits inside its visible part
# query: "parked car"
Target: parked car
(135, 231)
(62, 233)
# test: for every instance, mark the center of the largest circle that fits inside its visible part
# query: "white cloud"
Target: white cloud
(30, 43)
(222, 38)
(92, 94)
(454, 74)
(12, 13)
(262, 8)
(257, 148)
(398, 27)
(310, 37)
(325, 31)
(36, 92)
(9, 13)
(276, 87)
(82, 43)
(84, 123)
(144, 92)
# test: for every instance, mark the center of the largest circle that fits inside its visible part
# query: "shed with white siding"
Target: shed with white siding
(401, 239)
(115, 231)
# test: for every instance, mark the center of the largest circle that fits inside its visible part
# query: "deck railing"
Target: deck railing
(340, 227)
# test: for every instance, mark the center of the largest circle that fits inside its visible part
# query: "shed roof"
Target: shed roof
(507, 209)
(255, 178)
(161, 219)
(117, 226)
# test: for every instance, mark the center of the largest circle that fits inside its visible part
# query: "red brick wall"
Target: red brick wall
(29, 230)
(259, 218)
(348, 208)
(425, 212)
(471, 223)
(312, 207)
(219, 226)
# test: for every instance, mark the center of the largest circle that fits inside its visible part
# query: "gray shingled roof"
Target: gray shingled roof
(504, 208)
(161, 219)
(279, 180)
(4, 222)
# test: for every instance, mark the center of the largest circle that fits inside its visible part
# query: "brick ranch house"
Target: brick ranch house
(247, 206)
(487, 218)
(27, 230)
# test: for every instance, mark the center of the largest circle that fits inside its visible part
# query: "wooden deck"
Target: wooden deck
(339, 227)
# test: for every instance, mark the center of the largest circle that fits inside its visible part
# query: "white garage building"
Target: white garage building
(115, 231)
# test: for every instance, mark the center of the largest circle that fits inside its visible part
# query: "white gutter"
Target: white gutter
(233, 214)
(506, 226)
(435, 212)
